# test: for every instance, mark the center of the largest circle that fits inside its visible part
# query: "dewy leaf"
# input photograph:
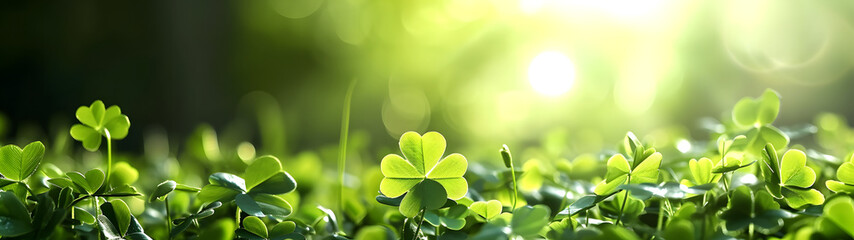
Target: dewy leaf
(14, 218)
(840, 211)
(487, 210)
(18, 164)
(428, 194)
(262, 168)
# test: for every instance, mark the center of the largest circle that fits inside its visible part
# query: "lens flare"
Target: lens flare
(551, 73)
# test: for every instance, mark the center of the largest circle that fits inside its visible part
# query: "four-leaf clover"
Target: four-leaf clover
(428, 180)
(98, 121)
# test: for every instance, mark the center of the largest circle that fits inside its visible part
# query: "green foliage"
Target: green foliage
(840, 212)
(488, 210)
(99, 121)
(118, 223)
(757, 112)
(422, 175)
(19, 164)
(789, 178)
(845, 174)
(642, 170)
(453, 218)
(739, 187)
(15, 218)
(254, 228)
(257, 192)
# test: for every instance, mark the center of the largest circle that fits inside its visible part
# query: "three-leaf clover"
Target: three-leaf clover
(98, 121)
(256, 192)
(427, 180)
(488, 210)
(643, 169)
(620, 172)
(731, 161)
(18, 164)
(701, 173)
(845, 174)
(758, 114)
(790, 178)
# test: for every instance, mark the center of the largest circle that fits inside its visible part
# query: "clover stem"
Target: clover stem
(726, 185)
(97, 213)
(660, 216)
(515, 187)
(168, 218)
(625, 198)
(237, 217)
(342, 144)
(418, 229)
(587, 218)
(109, 157)
(563, 201)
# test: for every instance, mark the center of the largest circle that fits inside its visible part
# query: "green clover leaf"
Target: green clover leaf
(118, 223)
(619, 172)
(757, 111)
(528, 221)
(701, 173)
(254, 228)
(420, 170)
(790, 178)
(758, 208)
(840, 211)
(487, 210)
(18, 164)
(845, 174)
(453, 218)
(256, 193)
(98, 121)
(14, 216)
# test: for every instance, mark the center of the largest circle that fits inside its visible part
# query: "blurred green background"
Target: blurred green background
(482, 72)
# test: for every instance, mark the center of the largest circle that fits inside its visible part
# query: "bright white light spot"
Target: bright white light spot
(748, 179)
(551, 73)
(531, 6)
(683, 146)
